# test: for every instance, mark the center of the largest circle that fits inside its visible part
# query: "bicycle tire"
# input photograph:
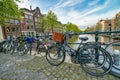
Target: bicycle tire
(4, 46)
(41, 52)
(54, 54)
(22, 49)
(12, 50)
(116, 66)
(8, 49)
(103, 68)
(27, 49)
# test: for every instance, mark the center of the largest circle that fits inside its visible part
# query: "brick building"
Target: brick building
(26, 26)
(108, 25)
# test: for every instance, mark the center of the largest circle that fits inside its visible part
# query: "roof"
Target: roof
(31, 11)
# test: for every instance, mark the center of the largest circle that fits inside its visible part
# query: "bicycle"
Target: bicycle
(17, 46)
(92, 57)
(114, 50)
(39, 46)
(1, 45)
(7, 46)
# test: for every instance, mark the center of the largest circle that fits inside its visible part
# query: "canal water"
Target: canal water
(113, 49)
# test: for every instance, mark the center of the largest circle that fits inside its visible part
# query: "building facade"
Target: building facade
(107, 25)
(26, 26)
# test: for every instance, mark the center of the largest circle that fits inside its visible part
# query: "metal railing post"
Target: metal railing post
(96, 36)
(96, 50)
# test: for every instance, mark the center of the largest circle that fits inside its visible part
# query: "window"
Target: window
(22, 27)
(11, 21)
(26, 16)
(28, 27)
(31, 17)
(16, 22)
(8, 29)
(32, 33)
(13, 29)
(31, 27)
(27, 21)
(17, 29)
(31, 21)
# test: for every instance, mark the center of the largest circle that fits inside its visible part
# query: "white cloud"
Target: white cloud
(97, 8)
(93, 2)
(87, 20)
(82, 19)
(64, 3)
(27, 3)
(23, 4)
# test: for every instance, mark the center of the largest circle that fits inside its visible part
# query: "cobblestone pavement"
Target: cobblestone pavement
(28, 67)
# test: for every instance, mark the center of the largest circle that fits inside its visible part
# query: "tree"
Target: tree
(98, 27)
(43, 23)
(49, 22)
(90, 29)
(72, 28)
(51, 19)
(8, 9)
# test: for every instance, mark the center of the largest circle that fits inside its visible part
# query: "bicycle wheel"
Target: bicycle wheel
(41, 51)
(4, 46)
(114, 50)
(27, 48)
(22, 49)
(54, 55)
(95, 66)
(12, 50)
(8, 48)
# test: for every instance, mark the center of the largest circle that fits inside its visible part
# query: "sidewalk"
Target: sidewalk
(28, 67)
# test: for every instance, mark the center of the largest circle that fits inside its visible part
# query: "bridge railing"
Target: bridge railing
(96, 33)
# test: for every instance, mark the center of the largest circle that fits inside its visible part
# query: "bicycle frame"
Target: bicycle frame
(70, 51)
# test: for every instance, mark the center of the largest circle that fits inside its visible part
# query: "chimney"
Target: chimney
(30, 7)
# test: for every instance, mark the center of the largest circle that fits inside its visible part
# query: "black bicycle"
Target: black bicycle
(93, 59)
(114, 50)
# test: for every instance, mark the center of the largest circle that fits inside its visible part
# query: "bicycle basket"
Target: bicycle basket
(57, 37)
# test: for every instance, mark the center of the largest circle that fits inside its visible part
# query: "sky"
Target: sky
(83, 13)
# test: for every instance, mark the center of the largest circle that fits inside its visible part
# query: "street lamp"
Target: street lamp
(110, 28)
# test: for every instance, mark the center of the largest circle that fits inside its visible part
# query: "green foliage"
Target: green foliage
(72, 28)
(51, 19)
(98, 27)
(48, 21)
(43, 22)
(89, 29)
(8, 9)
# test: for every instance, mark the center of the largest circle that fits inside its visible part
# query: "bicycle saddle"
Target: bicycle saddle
(83, 38)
